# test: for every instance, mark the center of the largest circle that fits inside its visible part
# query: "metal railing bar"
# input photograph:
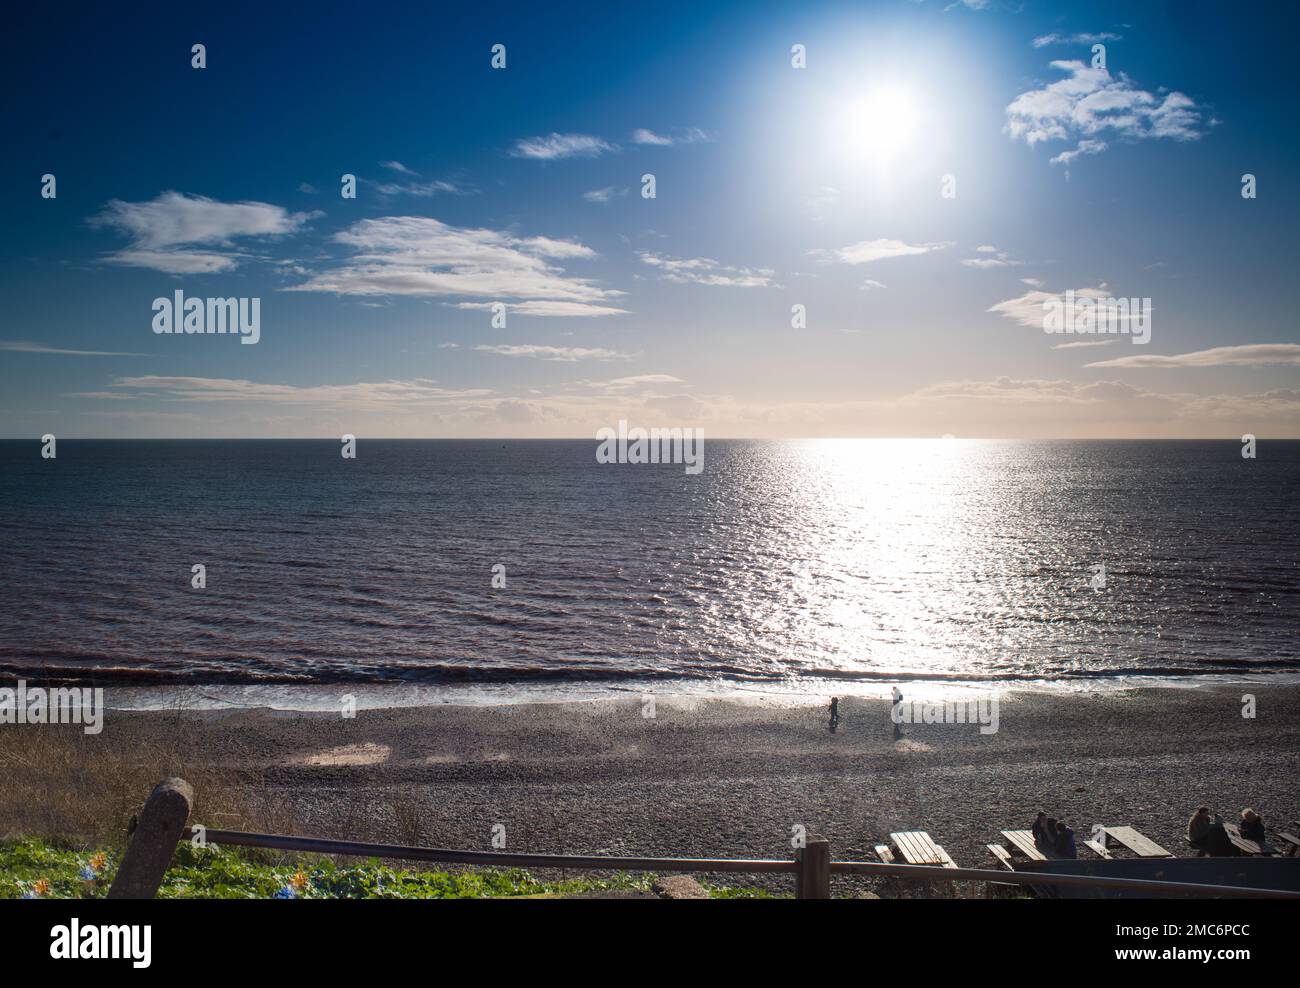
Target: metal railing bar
(313, 845)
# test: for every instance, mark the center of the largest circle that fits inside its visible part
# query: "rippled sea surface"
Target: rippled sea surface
(783, 562)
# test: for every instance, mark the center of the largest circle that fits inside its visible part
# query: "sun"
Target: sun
(880, 124)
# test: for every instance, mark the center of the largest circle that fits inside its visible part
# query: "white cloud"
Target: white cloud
(706, 271)
(1081, 38)
(1028, 308)
(871, 285)
(397, 166)
(866, 251)
(603, 195)
(1091, 104)
(214, 389)
(643, 136)
(546, 307)
(1000, 258)
(1086, 146)
(422, 190)
(1248, 355)
(163, 230)
(22, 346)
(1083, 343)
(567, 354)
(556, 146)
(690, 135)
(420, 256)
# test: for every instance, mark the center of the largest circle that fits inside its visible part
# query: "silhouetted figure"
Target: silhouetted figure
(1050, 835)
(835, 713)
(1207, 835)
(1065, 846)
(1252, 826)
(897, 717)
(1039, 828)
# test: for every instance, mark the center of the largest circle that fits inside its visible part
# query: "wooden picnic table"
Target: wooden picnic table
(1136, 841)
(1246, 844)
(1023, 841)
(918, 848)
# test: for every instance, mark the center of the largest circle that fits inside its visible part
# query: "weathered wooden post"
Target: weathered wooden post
(813, 877)
(157, 830)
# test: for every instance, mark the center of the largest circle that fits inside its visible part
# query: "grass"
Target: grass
(37, 868)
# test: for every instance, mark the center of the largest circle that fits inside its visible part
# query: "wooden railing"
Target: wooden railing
(162, 823)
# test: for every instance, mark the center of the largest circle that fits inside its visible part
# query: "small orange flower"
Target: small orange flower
(298, 881)
(41, 886)
(99, 861)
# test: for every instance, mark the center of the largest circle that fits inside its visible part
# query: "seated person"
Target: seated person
(1065, 845)
(1040, 824)
(1206, 834)
(1252, 826)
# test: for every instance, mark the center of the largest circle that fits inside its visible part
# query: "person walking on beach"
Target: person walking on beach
(835, 713)
(897, 714)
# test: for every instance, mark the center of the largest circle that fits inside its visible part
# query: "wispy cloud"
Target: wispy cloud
(397, 166)
(1079, 38)
(22, 346)
(215, 389)
(1027, 309)
(566, 354)
(603, 195)
(1083, 343)
(547, 307)
(556, 146)
(420, 256)
(990, 257)
(706, 271)
(165, 230)
(689, 135)
(1249, 355)
(866, 251)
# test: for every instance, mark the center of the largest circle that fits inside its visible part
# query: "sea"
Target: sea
(437, 568)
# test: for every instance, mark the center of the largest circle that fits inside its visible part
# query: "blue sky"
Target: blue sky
(776, 187)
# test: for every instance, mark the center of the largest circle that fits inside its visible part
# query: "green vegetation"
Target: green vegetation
(34, 867)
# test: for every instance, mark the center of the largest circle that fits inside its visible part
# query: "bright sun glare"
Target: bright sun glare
(881, 123)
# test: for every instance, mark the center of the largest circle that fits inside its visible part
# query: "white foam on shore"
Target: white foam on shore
(330, 698)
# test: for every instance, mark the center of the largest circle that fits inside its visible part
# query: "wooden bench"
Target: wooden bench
(1291, 841)
(1098, 847)
(1002, 855)
(1136, 841)
(918, 848)
(1022, 842)
(884, 854)
(1245, 844)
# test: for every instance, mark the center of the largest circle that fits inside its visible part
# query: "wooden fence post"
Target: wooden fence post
(813, 878)
(157, 830)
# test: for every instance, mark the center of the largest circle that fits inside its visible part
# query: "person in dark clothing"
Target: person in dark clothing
(1252, 826)
(1040, 825)
(1048, 842)
(1205, 832)
(1065, 845)
(835, 713)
